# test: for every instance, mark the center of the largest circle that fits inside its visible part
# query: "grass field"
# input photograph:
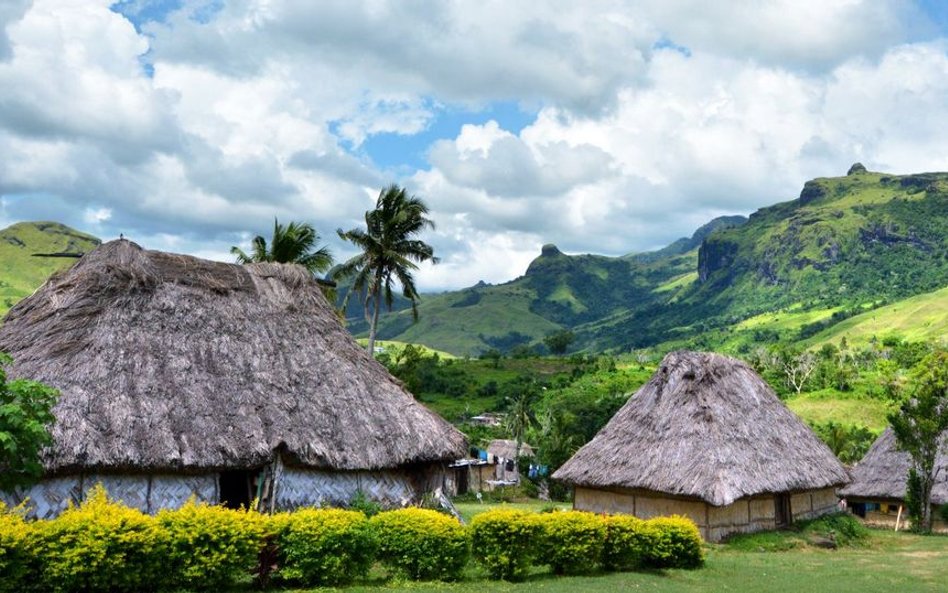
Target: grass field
(819, 407)
(890, 562)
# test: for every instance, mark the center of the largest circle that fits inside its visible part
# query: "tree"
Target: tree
(390, 252)
(559, 341)
(918, 426)
(25, 416)
(294, 243)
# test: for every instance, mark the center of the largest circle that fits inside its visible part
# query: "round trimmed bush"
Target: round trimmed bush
(100, 546)
(504, 542)
(678, 543)
(325, 546)
(210, 546)
(571, 541)
(421, 544)
(17, 570)
(628, 540)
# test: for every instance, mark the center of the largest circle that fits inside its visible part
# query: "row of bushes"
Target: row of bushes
(105, 546)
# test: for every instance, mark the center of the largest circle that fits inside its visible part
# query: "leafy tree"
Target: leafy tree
(559, 341)
(919, 424)
(294, 243)
(520, 416)
(390, 253)
(25, 415)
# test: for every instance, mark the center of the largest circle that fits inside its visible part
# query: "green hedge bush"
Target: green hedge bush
(325, 546)
(421, 544)
(677, 543)
(504, 542)
(17, 568)
(571, 542)
(209, 546)
(99, 546)
(628, 540)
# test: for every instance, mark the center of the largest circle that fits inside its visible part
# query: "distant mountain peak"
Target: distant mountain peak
(855, 169)
(550, 250)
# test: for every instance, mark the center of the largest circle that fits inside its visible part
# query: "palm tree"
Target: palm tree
(390, 252)
(294, 243)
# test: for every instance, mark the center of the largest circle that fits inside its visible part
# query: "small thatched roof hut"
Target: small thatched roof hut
(879, 481)
(183, 376)
(708, 438)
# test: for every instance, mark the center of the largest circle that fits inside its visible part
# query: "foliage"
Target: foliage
(559, 341)
(571, 542)
(849, 443)
(421, 544)
(677, 543)
(211, 546)
(292, 243)
(504, 542)
(628, 540)
(914, 501)
(361, 502)
(325, 547)
(100, 546)
(842, 528)
(919, 423)
(18, 571)
(390, 252)
(25, 416)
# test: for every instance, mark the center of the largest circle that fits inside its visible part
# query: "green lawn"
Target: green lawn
(892, 562)
(470, 509)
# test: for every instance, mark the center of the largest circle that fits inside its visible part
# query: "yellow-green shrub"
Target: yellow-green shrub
(17, 570)
(210, 546)
(421, 544)
(571, 541)
(99, 546)
(325, 546)
(504, 541)
(677, 543)
(628, 540)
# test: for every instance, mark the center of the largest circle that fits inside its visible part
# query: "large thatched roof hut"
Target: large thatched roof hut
(706, 437)
(181, 376)
(878, 486)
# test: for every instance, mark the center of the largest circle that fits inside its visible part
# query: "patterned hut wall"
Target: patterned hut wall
(47, 498)
(746, 515)
(302, 487)
(814, 503)
(50, 497)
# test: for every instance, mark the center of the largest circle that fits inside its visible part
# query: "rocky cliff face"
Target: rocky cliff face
(715, 254)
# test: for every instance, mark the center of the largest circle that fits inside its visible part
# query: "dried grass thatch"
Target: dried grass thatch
(705, 426)
(169, 362)
(883, 472)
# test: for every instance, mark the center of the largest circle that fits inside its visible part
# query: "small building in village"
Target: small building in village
(487, 469)
(183, 377)
(879, 483)
(706, 438)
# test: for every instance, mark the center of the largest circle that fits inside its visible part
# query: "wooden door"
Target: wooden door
(782, 511)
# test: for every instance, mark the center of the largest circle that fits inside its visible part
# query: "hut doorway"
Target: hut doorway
(782, 512)
(237, 488)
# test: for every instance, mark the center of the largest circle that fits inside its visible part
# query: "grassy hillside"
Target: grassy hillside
(20, 271)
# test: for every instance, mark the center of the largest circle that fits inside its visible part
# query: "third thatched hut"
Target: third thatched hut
(707, 438)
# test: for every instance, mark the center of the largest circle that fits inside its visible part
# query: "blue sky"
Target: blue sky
(608, 126)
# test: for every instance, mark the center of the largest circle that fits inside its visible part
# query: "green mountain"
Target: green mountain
(21, 271)
(792, 271)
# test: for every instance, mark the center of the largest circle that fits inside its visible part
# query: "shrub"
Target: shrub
(421, 544)
(628, 540)
(677, 543)
(16, 567)
(100, 546)
(211, 546)
(571, 541)
(504, 542)
(843, 528)
(325, 546)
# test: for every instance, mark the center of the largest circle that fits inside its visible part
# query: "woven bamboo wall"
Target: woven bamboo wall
(302, 487)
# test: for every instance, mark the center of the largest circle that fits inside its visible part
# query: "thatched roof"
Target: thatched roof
(705, 426)
(170, 362)
(883, 472)
(507, 449)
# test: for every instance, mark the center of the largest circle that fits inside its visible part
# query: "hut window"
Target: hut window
(237, 488)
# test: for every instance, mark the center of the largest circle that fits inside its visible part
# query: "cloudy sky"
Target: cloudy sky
(603, 126)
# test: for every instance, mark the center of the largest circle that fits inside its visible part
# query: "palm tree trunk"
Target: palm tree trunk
(377, 297)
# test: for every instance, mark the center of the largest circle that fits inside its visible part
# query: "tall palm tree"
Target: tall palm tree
(294, 243)
(390, 252)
